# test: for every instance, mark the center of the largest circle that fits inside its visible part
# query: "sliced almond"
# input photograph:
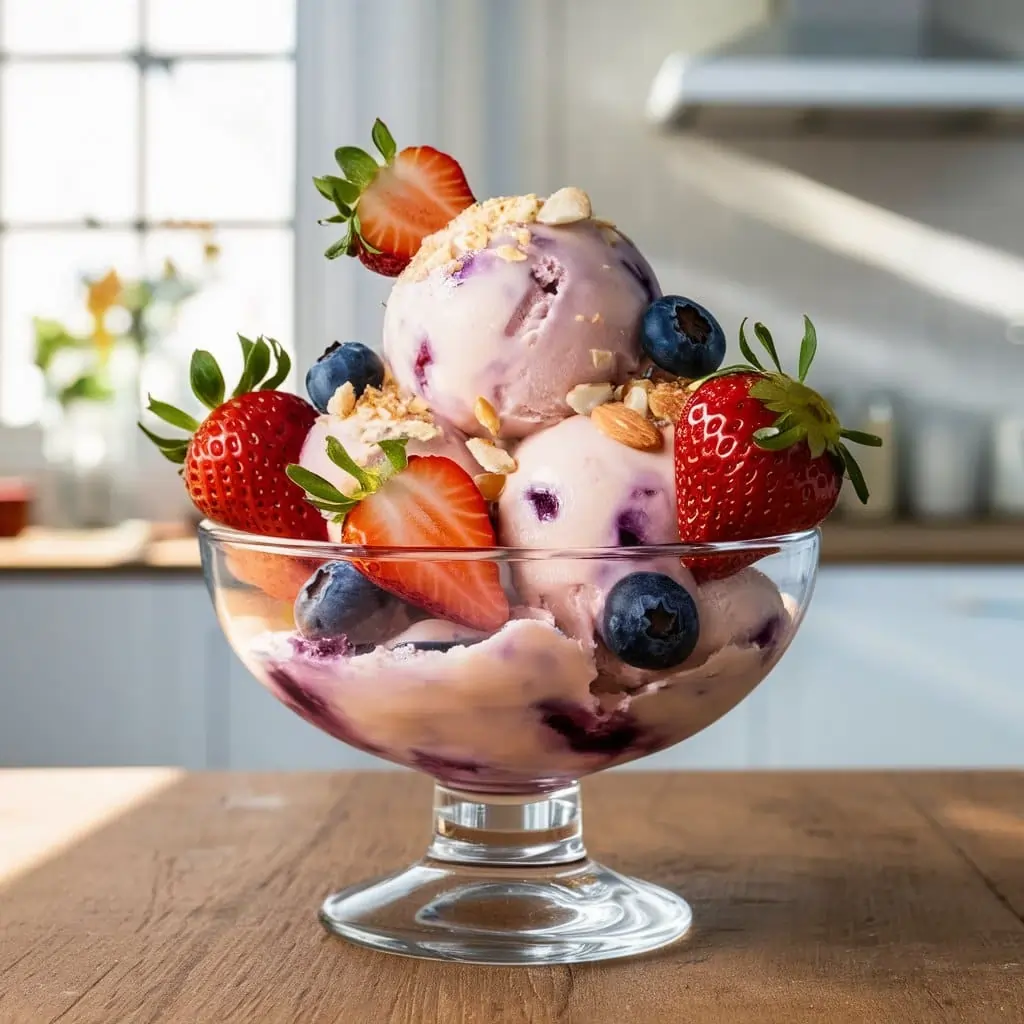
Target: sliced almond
(510, 254)
(343, 401)
(666, 401)
(626, 426)
(490, 485)
(417, 406)
(487, 416)
(566, 206)
(585, 398)
(636, 399)
(619, 393)
(602, 359)
(490, 456)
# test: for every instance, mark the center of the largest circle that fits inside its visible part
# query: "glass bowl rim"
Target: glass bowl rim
(264, 544)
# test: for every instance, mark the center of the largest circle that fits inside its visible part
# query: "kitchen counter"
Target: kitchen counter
(156, 895)
(137, 547)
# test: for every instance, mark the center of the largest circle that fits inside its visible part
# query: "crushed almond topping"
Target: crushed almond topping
(487, 416)
(602, 359)
(636, 399)
(566, 206)
(385, 414)
(585, 398)
(510, 254)
(596, 318)
(666, 401)
(579, 318)
(490, 485)
(343, 401)
(476, 226)
(490, 456)
(522, 237)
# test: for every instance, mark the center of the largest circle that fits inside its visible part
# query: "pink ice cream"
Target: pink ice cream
(501, 307)
(575, 488)
(380, 415)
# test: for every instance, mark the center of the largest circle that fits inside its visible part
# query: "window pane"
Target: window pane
(42, 274)
(236, 26)
(76, 26)
(247, 289)
(69, 141)
(220, 141)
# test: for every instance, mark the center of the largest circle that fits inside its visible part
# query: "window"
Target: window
(124, 123)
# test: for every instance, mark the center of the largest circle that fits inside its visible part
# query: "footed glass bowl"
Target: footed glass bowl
(587, 673)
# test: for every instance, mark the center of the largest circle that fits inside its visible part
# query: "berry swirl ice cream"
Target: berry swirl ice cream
(543, 425)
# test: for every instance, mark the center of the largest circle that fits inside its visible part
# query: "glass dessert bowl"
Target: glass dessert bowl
(607, 655)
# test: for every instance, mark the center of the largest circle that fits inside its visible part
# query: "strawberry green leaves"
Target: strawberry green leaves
(383, 140)
(808, 348)
(335, 505)
(803, 415)
(265, 366)
(359, 170)
(206, 379)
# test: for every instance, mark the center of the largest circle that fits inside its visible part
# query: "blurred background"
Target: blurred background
(155, 197)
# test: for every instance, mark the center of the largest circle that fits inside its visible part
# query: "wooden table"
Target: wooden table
(890, 898)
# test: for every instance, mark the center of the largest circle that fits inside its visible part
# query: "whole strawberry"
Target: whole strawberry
(233, 463)
(759, 454)
(389, 209)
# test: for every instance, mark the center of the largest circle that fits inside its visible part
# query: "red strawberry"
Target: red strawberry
(758, 454)
(390, 209)
(234, 461)
(423, 501)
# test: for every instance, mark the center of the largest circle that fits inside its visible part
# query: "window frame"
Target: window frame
(143, 59)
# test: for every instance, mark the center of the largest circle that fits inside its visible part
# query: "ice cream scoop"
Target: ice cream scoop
(575, 487)
(503, 307)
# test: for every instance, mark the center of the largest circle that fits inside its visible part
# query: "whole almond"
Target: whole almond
(626, 426)
(666, 402)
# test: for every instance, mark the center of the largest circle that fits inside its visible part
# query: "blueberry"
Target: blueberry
(338, 600)
(650, 621)
(352, 362)
(682, 337)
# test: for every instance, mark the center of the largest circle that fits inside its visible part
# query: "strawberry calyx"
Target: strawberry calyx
(803, 414)
(332, 503)
(360, 170)
(265, 366)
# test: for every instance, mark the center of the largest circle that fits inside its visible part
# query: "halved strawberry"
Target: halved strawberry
(422, 501)
(390, 209)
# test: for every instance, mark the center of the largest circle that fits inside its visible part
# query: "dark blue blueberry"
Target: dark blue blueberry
(352, 362)
(650, 621)
(435, 645)
(682, 337)
(339, 601)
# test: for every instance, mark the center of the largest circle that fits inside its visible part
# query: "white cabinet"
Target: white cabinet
(893, 666)
(98, 670)
(901, 666)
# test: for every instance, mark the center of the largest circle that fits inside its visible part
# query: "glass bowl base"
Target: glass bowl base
(561, 914)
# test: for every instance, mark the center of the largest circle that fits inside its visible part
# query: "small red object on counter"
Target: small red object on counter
(16, 497)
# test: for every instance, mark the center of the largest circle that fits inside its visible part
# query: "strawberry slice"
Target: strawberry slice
(422, 501)
(390, 209)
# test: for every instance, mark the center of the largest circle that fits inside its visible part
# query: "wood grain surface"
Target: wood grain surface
(817, 898)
